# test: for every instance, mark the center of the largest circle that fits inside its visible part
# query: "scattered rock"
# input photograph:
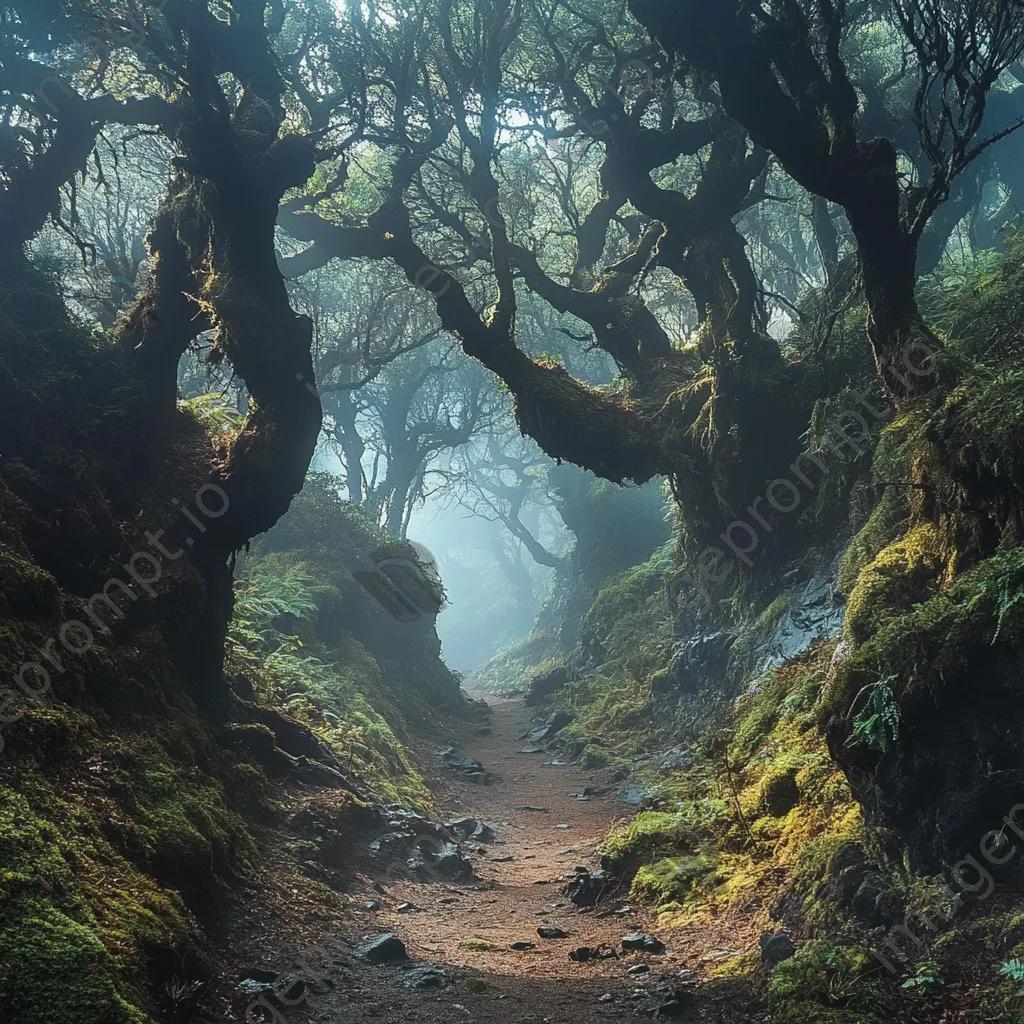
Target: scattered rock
(588, 887)
(521, 945)
(459, 763)
(643, 941)
(425, 977)
(471, 829)
(776, 948)
(507, 859)
(552, 931)
(632, 796)
(606, 998)
(672, 1008)
(405, 907)
(483, 833)
(639, 969)
(443, 861)
(564, 827)
(581, 955)
(256, 981)
(532, 750)
(555, 724)
(384, 949)
(542, 686)
(372, 905)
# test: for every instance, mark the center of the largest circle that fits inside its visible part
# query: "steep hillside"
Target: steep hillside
(831, 748)
(135, 782)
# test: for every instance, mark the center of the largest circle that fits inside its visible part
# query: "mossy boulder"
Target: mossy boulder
(900, 576)
(670, 880)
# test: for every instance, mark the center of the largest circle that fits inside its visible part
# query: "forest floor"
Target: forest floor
(465, 929)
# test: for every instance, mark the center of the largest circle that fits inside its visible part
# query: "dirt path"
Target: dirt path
(519, 894)
(465, 930)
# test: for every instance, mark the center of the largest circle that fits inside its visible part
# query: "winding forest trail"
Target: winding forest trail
(465, 929)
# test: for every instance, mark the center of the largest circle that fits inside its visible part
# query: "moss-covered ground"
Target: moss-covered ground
(836, 796)
(129, 803)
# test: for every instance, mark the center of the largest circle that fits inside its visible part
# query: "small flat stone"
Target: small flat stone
(639, 969)
(552, 931)
(425, 977)
(384, 949)
(606, 998)
(522, 945)
(644, 942)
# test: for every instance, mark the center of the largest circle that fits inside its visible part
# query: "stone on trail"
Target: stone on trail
(472, 829)
(643, 942)
(588, 887)
(552, 931)
(457, 762)
(425, 977)
(384, 949)
(520, 946)
(606, 998)
(372, 905)
(584, 954)
(442, 861)
(639, 969)
(531, 807)
(555, 724)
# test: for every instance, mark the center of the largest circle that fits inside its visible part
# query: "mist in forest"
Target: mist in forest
(511, 508)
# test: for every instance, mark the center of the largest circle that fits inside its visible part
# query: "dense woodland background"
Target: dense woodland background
(687, 337)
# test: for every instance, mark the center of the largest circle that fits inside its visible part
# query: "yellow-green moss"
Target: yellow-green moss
(670, 880)
(650, 835)
(77, 919)
(900, 576)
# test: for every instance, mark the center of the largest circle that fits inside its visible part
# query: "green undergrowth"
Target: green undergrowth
(626, 640)
(126, 814)
(513, 669)
(829, 984)
(308, 639)
(747, 814)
